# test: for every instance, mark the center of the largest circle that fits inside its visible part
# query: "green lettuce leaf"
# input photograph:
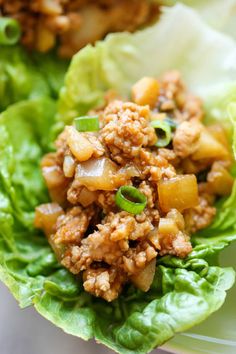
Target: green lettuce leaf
(53, 70)
(23, 76)
(184, 292)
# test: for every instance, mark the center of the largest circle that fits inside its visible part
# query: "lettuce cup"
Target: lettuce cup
(145, 150)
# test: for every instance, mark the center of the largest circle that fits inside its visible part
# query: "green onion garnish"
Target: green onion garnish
(9, 31)
(163, 132)
(130, 199)
(173, 125)
(87, 124)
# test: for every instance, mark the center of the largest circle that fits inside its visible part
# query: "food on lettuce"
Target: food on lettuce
(184, 291)
(75, 23)
(119, 199)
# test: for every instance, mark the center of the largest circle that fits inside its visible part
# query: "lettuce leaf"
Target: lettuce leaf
(219, 14)
(23, 76)
(184, 292)
(53, 70)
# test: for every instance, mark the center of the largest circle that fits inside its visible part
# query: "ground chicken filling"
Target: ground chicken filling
(75, 23)
(179, 178)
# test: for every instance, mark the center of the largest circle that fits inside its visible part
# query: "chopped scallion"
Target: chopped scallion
(173, 125)
(87, 124)
(130, 199)
(163, 131)
(9, 31)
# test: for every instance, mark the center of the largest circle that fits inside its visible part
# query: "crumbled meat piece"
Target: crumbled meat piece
(153, 166)
(126, 130)
(62, 147)
(137, 258)
(202, 215)
(192, 109)
(183, 105)
(199, 217)
(74, 191)
(96, 247)
(105, 283)
(106, 200)
(170, 156)
(172, 84)
(124, 226)
(70, 228)
(186, 138)
(178, 245)
(109, 243)
(150, 192)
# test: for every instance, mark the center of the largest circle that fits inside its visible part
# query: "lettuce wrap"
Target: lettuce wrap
(184, 292)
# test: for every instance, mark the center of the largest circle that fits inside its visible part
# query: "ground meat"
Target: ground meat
(75, 23)
(96, 247)
(202, 215)
(172, 89)
(93, 235)
(105, 283)
(153, 166)
(177, 245)
(124, 226)
(199, 217)
(170, 156)
(62, 147)
(70, 228)
(137, 258)
(110, 243)
(106, 201)
(192, 109)
(150, 192)
(126, 130)
(175, 99)
(74, 191)
(186, 138)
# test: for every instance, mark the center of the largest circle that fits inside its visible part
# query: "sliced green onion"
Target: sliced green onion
(163, 132)
(87, 124)
(130, 199)
(173, 125)
(9, 31)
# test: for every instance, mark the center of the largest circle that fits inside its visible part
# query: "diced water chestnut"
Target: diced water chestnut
(144, 279)
(180, 192)
(96, 174)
